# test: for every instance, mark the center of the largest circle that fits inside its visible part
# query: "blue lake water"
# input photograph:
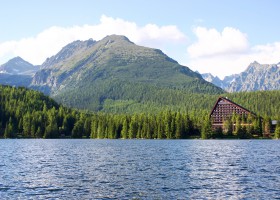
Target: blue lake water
(139, 169)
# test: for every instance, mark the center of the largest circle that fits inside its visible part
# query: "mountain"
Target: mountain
(17, 72)
(224, 84)
(18, 66)
(213, 79)
(114, 71)
(256, 77)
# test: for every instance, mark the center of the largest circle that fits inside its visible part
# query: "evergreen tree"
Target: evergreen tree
(33, 130)
(124, 132)
(26, 125)
(267, 126)
(9, 130)
(112, 130)
(228, 127)
(132, 127)
(277, 131)
(179, 126)
(217, 133)
(51, 130)
(188, 128)
(159, 131)
(238, 126)
(206, 130)
(258, 126)
(39, 133)
(87, 127)
(241, 133)
(94, 127)
(78, 129)
(101, 129)
(167, 123)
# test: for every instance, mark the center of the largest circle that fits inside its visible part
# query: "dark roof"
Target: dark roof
(226, 99)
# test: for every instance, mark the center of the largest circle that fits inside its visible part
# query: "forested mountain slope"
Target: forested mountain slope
(29, 113)
(114, 71)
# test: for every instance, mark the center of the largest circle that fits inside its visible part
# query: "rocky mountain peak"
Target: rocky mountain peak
(16, 59)
(18, 66)
(255, 63)
(114, 38)
(67, 52)
(212, 79)
(256, 77)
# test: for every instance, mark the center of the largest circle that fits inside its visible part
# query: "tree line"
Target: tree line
(242, 127)
(30, 114)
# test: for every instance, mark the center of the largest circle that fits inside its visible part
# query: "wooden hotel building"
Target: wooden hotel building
(224, 109)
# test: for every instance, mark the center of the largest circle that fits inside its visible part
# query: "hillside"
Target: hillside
(114, 71)
(24, 111)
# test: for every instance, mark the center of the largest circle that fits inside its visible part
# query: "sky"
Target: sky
(208, 36)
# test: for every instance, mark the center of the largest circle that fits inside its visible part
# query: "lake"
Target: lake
(139, 169)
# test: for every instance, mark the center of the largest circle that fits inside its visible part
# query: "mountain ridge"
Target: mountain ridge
(254, 78)
(102, 70)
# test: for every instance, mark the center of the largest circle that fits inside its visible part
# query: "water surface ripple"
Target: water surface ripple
(139, 169)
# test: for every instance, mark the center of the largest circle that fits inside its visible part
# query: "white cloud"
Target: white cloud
(269, 53)
(227, 52)
(211, 42)
(221, 53)
(50, 41)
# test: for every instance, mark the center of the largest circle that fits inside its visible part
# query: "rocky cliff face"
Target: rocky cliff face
(73, 49)
(213, 79)
(55, 70)
(256, 77)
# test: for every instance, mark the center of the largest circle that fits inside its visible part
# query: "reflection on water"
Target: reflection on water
(141, 169)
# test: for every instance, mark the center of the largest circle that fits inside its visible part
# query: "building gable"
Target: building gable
(225, 108)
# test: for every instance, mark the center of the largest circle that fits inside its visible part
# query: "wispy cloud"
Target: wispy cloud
(36, 49)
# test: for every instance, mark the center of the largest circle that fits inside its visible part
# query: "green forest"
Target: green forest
(27, 113)
(130, 98)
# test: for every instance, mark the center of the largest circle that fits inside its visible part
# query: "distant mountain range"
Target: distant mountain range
(256, 77)
(17, 72)
(113, 73)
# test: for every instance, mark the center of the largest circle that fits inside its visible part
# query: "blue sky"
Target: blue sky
(221, 37)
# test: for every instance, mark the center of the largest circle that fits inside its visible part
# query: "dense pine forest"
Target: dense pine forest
(124, 99)
(26, 113)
